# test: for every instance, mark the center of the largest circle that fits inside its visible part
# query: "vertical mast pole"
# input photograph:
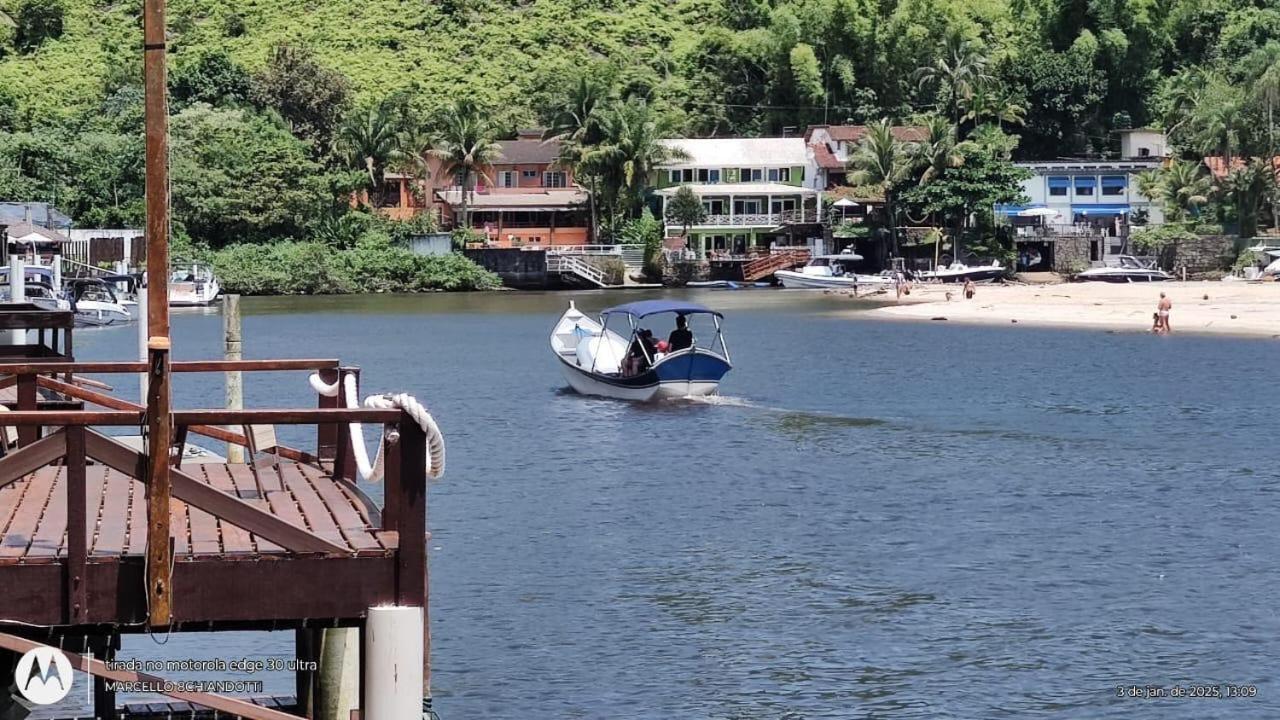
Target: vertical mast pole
(159, 408)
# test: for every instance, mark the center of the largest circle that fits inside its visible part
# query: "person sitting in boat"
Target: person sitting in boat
(682, 336)
(640, 354)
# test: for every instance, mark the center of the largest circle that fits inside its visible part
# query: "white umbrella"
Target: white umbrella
(844, 203)
(1039, 212)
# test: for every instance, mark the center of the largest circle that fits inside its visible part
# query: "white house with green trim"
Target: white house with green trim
(755, 190)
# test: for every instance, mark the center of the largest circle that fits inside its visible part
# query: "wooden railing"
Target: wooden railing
(767, 265)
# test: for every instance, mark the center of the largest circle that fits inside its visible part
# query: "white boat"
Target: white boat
(831, 271)
(959, 272)
(95, 303)
(595, 359)
(1127, 269)
(193, 287)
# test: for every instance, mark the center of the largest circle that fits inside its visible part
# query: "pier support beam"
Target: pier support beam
(233, 381)
(394, 657)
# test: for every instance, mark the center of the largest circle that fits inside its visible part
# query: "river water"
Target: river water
(875, 519)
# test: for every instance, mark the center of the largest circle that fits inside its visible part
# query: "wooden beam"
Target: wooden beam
(27, 434)
(217, 433)
(77, 528)
(179, 366)
(286, 417)
(24, 461)
(34, 418)
(224, 506)
(97, 668)
(411, 516)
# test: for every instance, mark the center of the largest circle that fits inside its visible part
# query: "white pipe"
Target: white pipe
(394, 659)
(17, 294)
(57, 273)
(142, 341)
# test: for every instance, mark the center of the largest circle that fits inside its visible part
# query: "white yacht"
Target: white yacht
(831, 271)
(193, 286)
(959, 272)
(95, 303)
(1127, 269)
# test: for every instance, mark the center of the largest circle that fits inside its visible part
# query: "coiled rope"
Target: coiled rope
(373, 472)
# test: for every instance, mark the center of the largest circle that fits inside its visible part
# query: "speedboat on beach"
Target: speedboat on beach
(831, 271)
(597, 360)
(1128, 269)
(959, 272)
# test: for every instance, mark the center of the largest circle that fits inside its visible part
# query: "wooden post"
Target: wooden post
(305, 641)
(411, 514)
(27, 434)
(77, 528)
(233, 380)
(143, 328)
(159, 406)
(327, 433)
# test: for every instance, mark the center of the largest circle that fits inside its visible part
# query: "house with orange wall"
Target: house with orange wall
(523, 199)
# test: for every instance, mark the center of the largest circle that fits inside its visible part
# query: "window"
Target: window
(554, 180)
(675, 176)
(746, 207)
(703, 175)
(750, 174)
(784, 175)
(1084, 185)
(529, 174)
(1113, 185)
(773, 174)
(507, 179)
(1058, 186)
(713, 176)
(686, 175)
(1144, 152)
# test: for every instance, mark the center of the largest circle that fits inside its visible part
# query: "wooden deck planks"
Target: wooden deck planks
(242, 477)
(26, 518)
(316, 515)
(51, 530)
(347, 511)
(33, 513)
(116, 515)
(235, 540)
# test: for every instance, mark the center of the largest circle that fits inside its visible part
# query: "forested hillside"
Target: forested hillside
(279, 105)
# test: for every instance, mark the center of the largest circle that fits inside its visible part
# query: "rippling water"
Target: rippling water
(876, 519)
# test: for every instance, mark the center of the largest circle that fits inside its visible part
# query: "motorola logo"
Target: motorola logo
(43, 676)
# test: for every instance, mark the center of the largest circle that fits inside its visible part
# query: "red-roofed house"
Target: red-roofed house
(523, 199)
(1218, 166)
(832, 145)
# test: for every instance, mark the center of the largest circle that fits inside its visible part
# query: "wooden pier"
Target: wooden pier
(283, 541)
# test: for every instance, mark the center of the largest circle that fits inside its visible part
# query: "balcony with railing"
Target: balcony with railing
(770, 220)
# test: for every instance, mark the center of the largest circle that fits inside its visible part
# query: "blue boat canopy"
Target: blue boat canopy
(645, 308)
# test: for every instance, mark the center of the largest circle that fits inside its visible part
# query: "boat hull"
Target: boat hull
(1124, 278)
(797, 280)
(689, 374)
(979, 274)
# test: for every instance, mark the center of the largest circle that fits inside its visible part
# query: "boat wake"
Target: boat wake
(721, 400)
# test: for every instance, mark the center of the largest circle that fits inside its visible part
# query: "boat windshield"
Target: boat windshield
(96, 293)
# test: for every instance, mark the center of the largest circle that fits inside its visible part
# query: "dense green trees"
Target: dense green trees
(280, 114)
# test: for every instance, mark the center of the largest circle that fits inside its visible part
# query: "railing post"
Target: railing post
(27, 434)
(77, 528)
(327, 434)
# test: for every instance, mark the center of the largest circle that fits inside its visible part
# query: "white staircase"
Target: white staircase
(576, 266)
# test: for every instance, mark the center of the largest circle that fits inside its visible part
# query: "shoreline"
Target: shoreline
(1199, 307)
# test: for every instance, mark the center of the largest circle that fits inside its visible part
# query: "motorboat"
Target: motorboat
(959, 272)
(1127, 269)
(38, 288)
(597, 360)
(831, 271)
(193, 286)
(95, 304)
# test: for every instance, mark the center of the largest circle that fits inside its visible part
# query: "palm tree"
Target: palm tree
(630, 151)
(577, 125)
(940, 149)
(370, 141)
(882, 160)
(1246, 186)
(465, 148)
(1182, 189)
(957, 73)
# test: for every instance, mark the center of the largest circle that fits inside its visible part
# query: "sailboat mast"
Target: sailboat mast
(159, 406)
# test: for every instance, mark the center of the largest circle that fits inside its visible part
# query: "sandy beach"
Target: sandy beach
(1229, 308)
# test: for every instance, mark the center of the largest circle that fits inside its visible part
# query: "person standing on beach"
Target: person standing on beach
(969, 289)
(1162, 309)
